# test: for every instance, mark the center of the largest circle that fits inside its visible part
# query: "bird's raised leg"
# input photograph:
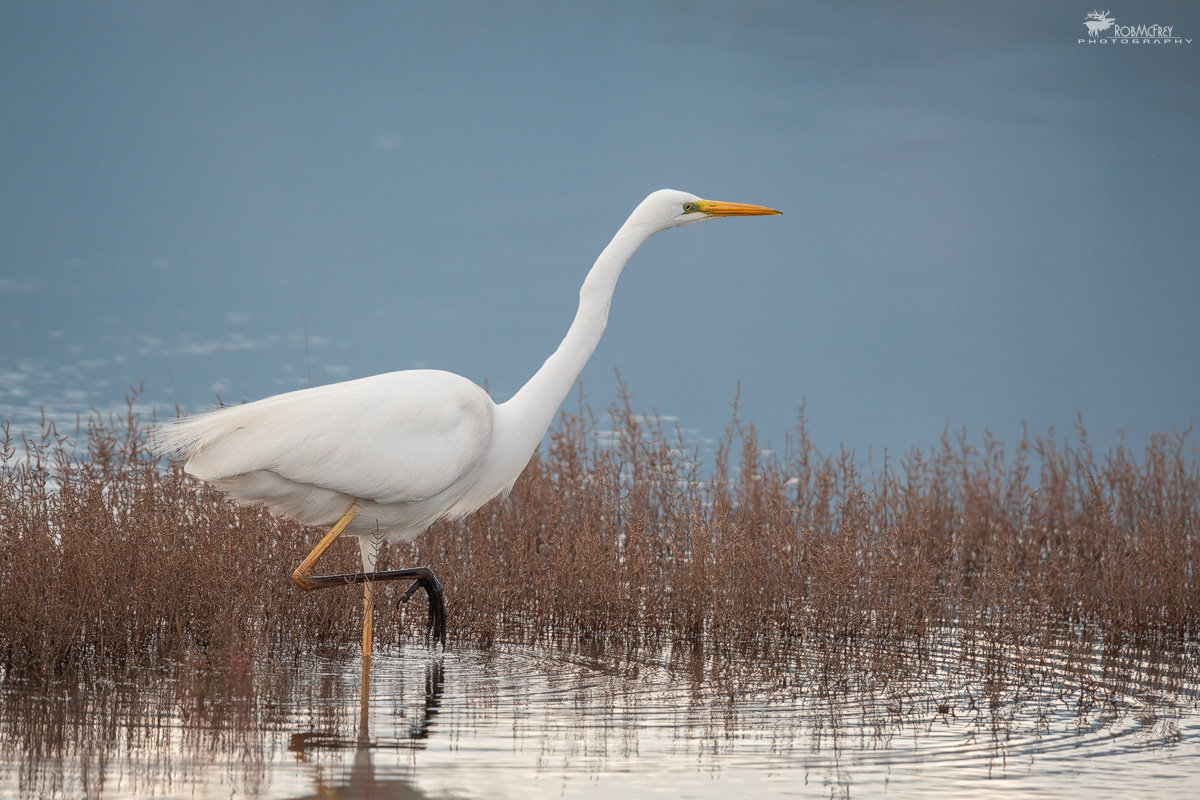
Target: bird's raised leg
(425, 579)
(301, 575)
(307, 582)
(422, 577)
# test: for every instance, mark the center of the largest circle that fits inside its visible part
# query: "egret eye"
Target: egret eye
(689, 208)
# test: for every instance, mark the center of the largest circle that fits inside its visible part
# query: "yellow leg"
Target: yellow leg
(300, 576)
(368, 617)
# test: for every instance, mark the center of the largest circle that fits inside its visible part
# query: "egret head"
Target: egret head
(668, 208)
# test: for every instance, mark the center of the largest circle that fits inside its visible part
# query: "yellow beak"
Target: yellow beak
(714, 209)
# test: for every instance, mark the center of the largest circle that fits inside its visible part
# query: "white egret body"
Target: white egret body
(388, 455)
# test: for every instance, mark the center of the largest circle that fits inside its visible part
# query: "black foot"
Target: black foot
(422, 577)
(437, 602)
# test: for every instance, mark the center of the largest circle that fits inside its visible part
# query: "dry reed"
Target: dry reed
(620, 537)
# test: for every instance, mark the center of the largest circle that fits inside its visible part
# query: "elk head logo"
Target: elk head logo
(1098, 22)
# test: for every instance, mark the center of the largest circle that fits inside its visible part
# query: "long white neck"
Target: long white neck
(535, 405)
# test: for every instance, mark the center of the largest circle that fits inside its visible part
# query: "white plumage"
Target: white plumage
(416, 446)
(401, 444)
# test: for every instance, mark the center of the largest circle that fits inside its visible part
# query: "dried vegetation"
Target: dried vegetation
(616, 534)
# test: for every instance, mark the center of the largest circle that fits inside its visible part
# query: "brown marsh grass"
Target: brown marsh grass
(618, 536)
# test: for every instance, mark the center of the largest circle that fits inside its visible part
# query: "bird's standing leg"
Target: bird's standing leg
(368, 618)
(370, 554)
(422, 577)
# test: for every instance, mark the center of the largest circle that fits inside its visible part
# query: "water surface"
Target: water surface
(985, 222)
(520, 721)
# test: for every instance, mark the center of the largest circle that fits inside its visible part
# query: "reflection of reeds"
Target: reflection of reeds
(106, 555)
(481, 715)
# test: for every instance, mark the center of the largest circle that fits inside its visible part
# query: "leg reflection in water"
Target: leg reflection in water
(434, 684)
(362, 782)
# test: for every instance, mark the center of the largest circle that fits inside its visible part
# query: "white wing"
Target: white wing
(392, 438)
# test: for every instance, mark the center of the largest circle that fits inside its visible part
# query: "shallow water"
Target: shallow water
(518, 721)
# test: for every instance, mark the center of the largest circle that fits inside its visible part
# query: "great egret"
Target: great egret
(382, 458)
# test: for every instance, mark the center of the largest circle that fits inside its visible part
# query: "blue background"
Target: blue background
(985, 222)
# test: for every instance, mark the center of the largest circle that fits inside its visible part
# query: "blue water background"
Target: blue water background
(985, 221)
